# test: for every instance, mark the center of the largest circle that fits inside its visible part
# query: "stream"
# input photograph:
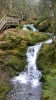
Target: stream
(27, 85)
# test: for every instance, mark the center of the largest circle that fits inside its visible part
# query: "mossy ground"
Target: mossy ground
(13, 46)
(47, 63)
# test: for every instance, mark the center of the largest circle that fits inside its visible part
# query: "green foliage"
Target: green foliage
(18, 6)
(49, 88)
(19, 27)
(43, 11)
(47, 63)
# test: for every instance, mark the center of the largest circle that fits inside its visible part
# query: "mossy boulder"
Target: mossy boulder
(44, 25)
(47, 63)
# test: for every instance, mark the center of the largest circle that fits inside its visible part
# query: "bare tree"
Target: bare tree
(11, 6)
(52, 23)
(0, 7)
(52, 18)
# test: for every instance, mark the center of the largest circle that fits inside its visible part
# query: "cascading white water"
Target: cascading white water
(48, 41)
(31, 74)
(27, 85)
(31, 26)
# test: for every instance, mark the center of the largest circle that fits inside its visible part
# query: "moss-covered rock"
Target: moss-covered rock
(47, 63)
(44, 25)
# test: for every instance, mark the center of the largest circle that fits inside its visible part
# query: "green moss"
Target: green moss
(19, 27)
(11, 39)
(45, 56)
(49, 88)
(37, 37)
(4, 88)
(16, 63)
(47, 63)
(44, 25)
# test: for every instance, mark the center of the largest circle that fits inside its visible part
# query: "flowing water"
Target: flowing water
(29, 27)
(27, 85)
(31, 74)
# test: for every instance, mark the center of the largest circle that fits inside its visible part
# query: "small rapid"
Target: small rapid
(29, 27)
(31, 74)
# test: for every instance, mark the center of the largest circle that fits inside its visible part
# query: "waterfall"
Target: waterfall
(27, 85)
(31, 74)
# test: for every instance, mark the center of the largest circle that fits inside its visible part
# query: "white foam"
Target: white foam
(35, 82)
(21, 78)
(31, 27)
(25, 27)
(48, 41)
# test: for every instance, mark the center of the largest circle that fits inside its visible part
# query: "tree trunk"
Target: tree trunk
(11, 6)
(53, 24)
(0, 7)
(52, 19)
